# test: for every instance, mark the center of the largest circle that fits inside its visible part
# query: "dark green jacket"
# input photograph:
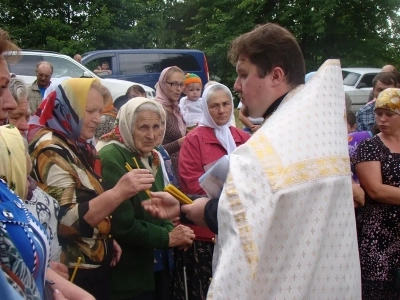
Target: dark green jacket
(137, 232)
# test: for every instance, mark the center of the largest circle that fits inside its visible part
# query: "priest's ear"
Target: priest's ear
(278, 76)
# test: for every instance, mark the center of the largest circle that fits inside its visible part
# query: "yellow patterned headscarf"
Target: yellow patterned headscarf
(63, 109)
(13, 161)
(389, 99)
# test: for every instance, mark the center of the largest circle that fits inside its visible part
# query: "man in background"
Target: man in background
(78, 58)
(44, 71)
(366, 115)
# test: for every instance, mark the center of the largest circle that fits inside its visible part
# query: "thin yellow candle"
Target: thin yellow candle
(137, 167)
(75, 269)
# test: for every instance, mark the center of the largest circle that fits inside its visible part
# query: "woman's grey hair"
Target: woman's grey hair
(146, 107)
(216, 88)
(18, 89)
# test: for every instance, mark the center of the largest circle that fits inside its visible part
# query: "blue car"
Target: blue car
(144, 65)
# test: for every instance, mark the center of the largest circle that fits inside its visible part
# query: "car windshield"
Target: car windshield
(63, 67)
(350, 78)
(26, 66)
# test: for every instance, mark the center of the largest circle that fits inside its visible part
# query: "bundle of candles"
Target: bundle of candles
(177, 194)
(171, 189)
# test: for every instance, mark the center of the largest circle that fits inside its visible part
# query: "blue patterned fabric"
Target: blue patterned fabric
(28, 236)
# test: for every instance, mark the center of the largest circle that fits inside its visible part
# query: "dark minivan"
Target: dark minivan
(145, 65)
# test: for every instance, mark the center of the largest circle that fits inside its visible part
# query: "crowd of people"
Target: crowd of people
(85, 215)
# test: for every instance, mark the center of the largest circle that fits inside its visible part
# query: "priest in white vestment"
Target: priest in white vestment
(285, 217)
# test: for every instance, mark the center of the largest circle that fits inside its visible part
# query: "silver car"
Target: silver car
(358, 84)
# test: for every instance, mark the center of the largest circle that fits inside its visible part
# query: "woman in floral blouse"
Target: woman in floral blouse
(67, 167)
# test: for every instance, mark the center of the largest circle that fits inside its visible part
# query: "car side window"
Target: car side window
(63, 67)
(366, 80)
(350, 78)
(102, 66)
(186, 62)
(139, 63)
(25, 66)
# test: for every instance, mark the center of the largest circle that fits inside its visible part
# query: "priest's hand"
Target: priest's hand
(162, 205)
(195, 212)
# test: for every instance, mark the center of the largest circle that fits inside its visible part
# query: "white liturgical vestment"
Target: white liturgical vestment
(286, 215)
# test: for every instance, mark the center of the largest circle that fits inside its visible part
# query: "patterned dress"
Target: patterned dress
(45, 208)
(62, 171)
(379, 226)
(21, 236)
(16, 274)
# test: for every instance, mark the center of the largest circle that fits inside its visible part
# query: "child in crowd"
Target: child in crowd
(190, 105)
(351, 121)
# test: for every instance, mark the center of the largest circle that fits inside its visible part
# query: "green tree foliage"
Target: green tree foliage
(359, 32)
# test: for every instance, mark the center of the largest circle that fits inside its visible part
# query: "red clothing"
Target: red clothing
(199, 149)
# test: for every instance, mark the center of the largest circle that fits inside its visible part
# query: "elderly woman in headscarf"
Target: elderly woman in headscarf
(212, 139)
(67, 167)
(44, 207)
(131, 146)
(32, 246)
(26, 232)
(19, 117)
(168, 91)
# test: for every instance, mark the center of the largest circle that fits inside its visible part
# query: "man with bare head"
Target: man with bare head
(78, 58)
(389, 68)
(385, 68)
(44, 71)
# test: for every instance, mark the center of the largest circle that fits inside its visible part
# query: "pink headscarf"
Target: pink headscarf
(161, 86)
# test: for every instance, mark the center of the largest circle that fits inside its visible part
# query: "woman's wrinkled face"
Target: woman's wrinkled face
(20, 117)
(146, 131)
(174, 86)
(220, 107)
(93, 112)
